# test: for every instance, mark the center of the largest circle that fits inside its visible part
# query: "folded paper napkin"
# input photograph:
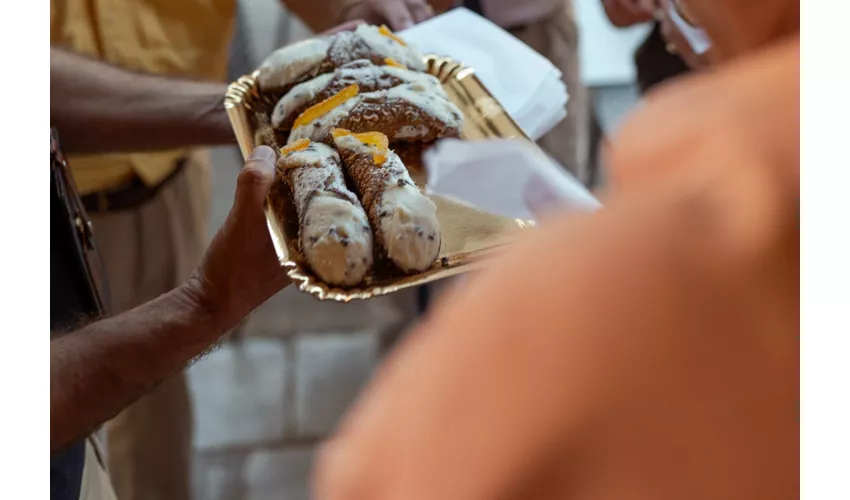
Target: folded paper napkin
(508, 177)
(526, 83)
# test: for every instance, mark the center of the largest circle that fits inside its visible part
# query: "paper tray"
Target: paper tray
(468, 235)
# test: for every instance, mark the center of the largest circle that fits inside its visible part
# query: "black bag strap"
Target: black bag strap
(474, 6)
(80, 232)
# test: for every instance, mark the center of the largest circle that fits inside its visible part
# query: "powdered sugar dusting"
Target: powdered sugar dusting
(315, 155)
(424, 79)
(337, 241)
(405, 221)
(368, 76)
(289, 64)
(408, 132)
(298, 96)
(424, 98)
(411, 230)
(321, 127)
(334, 232)
(354, 144)
(409, 226)
(368, 108)
(402, 54)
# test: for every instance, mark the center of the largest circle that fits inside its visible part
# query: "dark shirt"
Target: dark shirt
(654, 63)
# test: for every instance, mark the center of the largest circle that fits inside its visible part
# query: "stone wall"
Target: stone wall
(268, 396)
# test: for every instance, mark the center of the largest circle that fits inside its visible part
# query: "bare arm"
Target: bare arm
(100, 108)
(98, 370)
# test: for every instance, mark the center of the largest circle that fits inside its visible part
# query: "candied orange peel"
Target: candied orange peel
(299, 145)
(379, 142)
(380, 156)
(376, 140)
(395, 64)
(321, 109)
(389, 34)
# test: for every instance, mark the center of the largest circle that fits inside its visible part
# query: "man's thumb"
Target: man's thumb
(256, 178)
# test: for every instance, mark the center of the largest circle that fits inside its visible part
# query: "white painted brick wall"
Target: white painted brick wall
(330, 371)
(238, 394)
(279, 475)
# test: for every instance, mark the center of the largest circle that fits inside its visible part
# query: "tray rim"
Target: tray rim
(237, 102)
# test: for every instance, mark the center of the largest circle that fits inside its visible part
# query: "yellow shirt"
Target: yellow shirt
(188, 38)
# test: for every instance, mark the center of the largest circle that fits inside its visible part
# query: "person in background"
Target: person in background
(102, 368)
(656, 60)
(150, 208)
(98, 369)
(659, 358)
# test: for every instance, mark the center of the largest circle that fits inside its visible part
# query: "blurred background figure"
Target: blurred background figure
(261, 405)
(656, 59)
(664, 360)
(151, 209)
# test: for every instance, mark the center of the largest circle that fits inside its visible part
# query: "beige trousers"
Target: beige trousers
(148, 251)
(556, 38)
(95, 484)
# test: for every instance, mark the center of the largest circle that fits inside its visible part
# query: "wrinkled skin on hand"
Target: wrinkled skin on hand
(240, 269)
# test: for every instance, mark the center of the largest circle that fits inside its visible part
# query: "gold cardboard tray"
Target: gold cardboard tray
(469, 235)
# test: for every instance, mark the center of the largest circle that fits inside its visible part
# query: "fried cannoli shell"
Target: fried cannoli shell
(404, 221)
(406, 113)
(334, 234)
(304, 60)
(367, 76)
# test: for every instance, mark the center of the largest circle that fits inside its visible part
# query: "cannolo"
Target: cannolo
(404, 221)
(408, 113)
(411, 154)
(367, 76)
(304, 60)
(334, 233)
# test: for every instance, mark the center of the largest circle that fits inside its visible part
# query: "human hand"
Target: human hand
(677, 42)
(624, 13)
(240, 269)
(397, 14)
(350, 25)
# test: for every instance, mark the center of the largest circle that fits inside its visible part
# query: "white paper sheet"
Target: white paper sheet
(526, 83)
(697, 38)
(511, 178)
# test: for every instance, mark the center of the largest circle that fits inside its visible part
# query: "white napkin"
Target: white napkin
(524, 82)
(697, 38)
(511, 178)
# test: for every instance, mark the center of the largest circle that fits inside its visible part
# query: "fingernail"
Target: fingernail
(264, 153)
